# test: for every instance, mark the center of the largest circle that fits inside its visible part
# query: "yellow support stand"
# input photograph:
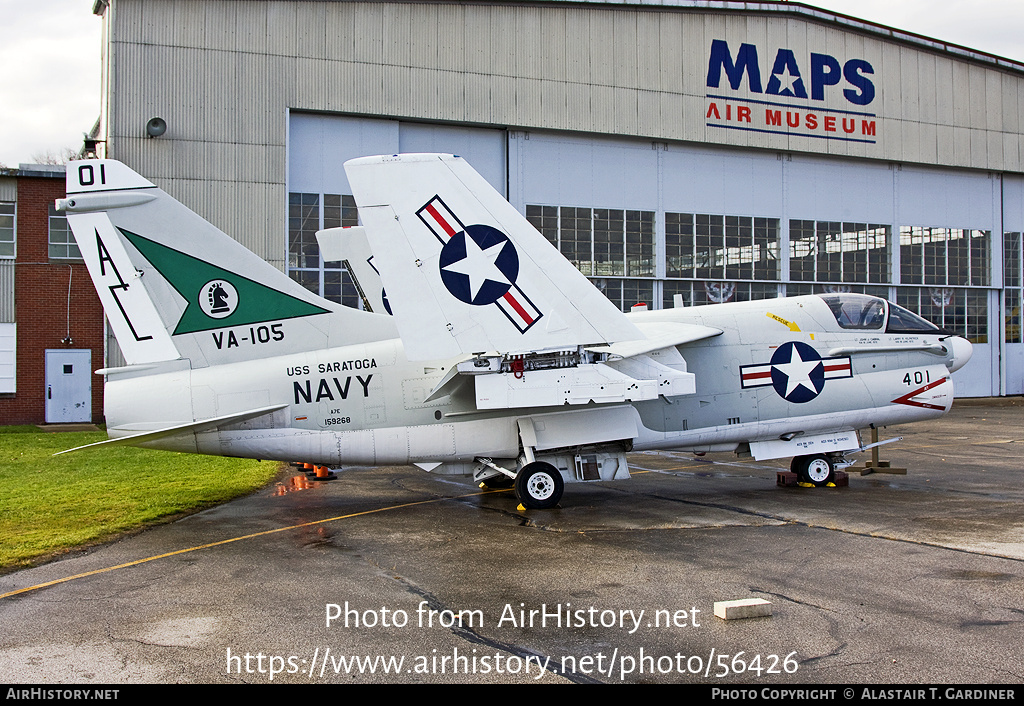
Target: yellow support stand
(875, 465)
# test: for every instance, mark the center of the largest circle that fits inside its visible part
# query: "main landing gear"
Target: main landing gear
(539, 485)
(818, 469)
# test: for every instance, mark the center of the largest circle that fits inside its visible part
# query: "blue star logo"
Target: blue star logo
(798, 374)
(478, 265)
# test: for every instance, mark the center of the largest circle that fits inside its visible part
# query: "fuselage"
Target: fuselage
(367, 404)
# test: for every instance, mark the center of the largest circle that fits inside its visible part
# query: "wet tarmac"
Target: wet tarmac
(894, 579)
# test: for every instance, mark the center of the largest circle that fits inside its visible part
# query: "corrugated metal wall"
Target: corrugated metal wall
(225, 73)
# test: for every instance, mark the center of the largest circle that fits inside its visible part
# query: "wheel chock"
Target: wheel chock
(325, 473)
(788, 479)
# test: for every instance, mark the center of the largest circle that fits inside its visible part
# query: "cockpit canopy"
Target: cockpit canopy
(866, 313)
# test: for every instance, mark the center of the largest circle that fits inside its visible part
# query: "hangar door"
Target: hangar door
(1013, 285)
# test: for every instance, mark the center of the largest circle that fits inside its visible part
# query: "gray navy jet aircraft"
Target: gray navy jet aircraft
(499, 359)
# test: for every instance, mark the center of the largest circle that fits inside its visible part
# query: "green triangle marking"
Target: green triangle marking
(254, 302)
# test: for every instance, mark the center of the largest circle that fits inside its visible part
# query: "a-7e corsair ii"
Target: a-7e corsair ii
(501, 359)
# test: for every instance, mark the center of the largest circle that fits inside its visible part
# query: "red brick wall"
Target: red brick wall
(41, 306)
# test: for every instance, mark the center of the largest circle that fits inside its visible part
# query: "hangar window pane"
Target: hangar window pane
(609, 248)
(709, 243)
(624, 293)
(679, 245)
(545, 220)
(310, 279)
(61, 243)
(640, 243)
(960, 311)
(308, 213)
(575, 238)
(303, 223)
(944, 256)
(832, 251)
(1013, 327)
(766, 249)
(739, 248)
(600, 242)
(799, 290)
(802, 251)
(1011, 260)
(714, 247)
(338, 286)
(6, 230)
(637, 291)
(979, 240)
(698, 293)
(1012, 280)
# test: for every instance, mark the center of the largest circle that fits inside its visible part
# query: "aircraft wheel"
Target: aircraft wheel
(539, 485)
(797, 465)
(817, 469)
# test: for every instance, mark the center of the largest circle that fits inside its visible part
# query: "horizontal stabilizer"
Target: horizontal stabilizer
(191, 427)
(350, 247)
(464, 271)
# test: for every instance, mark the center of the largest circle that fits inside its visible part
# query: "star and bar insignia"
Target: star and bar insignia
(796, 371)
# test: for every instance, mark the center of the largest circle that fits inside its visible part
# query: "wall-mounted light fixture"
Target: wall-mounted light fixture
(156, 127)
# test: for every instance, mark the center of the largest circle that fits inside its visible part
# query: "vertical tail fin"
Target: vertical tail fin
(454, 255)
(174, 286)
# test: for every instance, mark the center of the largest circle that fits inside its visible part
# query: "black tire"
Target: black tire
(817, 470)
(539, 486)
(797, 464)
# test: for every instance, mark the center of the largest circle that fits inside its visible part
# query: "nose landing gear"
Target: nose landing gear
(539, 486)
(817, 470)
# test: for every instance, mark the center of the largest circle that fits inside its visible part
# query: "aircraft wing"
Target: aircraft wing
(657, 335)
(467, 273)
(190, 427)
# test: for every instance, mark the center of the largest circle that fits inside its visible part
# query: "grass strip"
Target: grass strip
(51, 504)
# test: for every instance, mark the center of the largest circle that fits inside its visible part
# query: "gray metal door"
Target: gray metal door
(68, 386)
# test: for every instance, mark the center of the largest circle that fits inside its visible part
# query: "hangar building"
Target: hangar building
(681, 149)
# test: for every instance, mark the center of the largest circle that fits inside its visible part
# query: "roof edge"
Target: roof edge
(822, 15)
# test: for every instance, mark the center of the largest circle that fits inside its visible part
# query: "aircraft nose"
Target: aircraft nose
(962, 350)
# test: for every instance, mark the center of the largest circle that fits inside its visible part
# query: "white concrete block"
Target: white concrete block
(743, 608)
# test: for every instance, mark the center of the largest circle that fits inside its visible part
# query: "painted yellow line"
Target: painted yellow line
(238, 539)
